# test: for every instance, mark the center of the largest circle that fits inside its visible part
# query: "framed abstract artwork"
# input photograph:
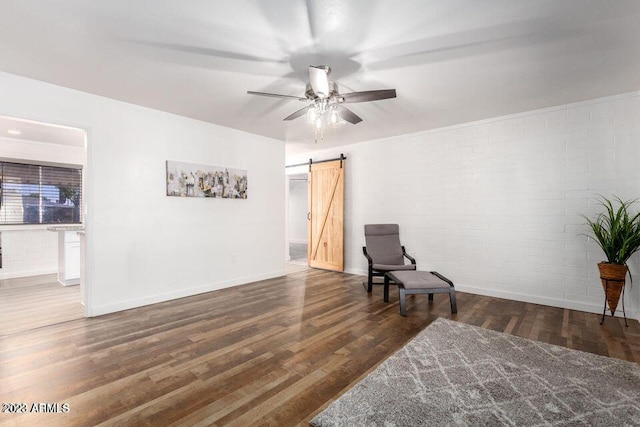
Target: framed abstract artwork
(192, 180)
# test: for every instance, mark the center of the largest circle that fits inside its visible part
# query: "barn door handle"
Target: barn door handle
(308, 216)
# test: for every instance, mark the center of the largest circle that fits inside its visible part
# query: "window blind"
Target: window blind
(37, 194)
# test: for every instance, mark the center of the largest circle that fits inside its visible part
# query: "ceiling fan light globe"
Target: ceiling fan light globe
(311, 115)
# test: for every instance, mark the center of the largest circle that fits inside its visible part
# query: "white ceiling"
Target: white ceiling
(451, 61)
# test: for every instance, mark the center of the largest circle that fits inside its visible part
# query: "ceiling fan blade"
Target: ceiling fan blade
(319, 80)
(300, 112)
(275, 95)
(207, 51)
(369, 95)
(348, 115)
(211, 58)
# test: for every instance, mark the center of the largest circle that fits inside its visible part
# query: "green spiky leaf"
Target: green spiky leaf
(616, 230)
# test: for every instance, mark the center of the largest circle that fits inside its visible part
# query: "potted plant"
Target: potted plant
(617, 231)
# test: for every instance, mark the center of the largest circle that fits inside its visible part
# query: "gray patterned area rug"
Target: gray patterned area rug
(456, 374)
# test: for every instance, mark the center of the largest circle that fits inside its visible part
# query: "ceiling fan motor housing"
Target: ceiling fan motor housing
(310, 94)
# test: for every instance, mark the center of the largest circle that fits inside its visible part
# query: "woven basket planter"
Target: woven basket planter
(613, 278)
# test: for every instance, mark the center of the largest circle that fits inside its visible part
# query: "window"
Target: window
(35, 194)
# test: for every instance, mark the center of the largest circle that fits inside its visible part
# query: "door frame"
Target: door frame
(295, 169)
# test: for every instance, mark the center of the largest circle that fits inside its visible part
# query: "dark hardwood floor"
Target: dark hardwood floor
(267, 353)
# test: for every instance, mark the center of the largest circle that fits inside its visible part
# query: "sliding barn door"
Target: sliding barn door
(326, 215)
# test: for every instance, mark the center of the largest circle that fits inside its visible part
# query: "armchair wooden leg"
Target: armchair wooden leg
(370, 281)
(403, 305)
(386, 288)
(452, 300)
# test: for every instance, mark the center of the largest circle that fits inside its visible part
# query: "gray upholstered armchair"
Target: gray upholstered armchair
(383, 251)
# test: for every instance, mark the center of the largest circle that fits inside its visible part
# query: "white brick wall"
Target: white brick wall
(28, 253)
(495, 204)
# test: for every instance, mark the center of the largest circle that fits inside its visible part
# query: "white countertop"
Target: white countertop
(66, 228)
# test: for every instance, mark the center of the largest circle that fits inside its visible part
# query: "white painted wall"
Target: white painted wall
(12, 149)
(30, 250)
(297, 210)
(142, 246)
(495, 205)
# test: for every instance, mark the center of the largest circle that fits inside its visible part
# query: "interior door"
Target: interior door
(326, 215)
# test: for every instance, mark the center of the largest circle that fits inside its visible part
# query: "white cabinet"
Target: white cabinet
(71, 254)
(68, 254)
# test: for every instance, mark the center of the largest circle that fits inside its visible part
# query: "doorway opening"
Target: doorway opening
(42, 210)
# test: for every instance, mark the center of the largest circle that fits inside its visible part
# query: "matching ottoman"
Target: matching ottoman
(419, 282)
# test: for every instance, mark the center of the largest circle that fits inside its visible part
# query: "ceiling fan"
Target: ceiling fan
(324, 100)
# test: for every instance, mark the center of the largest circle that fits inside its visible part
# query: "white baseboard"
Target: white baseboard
(154, 299)
(356, 271)
(632, 312)
(28, 273)
(298, 241)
